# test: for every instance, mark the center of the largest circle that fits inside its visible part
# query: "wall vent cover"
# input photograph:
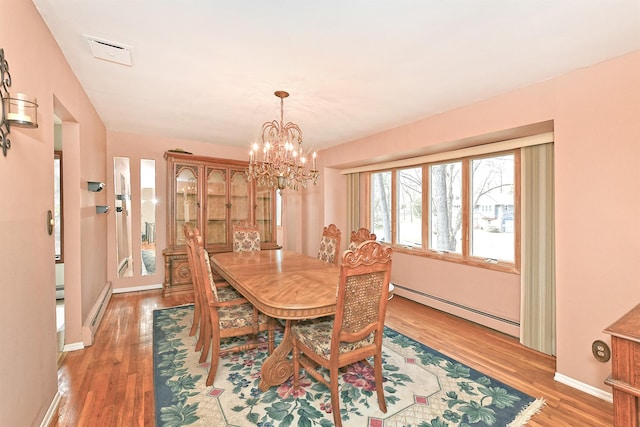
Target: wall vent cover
(110, 51)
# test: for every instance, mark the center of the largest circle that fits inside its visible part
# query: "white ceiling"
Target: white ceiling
(206, 69)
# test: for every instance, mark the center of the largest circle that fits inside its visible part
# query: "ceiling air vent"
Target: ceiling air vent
(110, 51)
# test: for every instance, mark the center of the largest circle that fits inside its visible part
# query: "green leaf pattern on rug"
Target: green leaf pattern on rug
(470, 399)
(173, 354)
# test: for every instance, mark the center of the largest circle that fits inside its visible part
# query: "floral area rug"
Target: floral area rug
(423, 388)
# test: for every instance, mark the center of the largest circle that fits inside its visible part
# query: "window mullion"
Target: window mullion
(394, 206)
(426, 207)
(466, 201)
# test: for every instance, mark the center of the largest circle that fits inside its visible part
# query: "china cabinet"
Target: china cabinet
(212, 194)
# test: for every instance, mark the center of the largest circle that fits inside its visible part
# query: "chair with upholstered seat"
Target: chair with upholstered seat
(234, 318)
(355, 332)
(246, 237)
(200, 314)
(330, 244)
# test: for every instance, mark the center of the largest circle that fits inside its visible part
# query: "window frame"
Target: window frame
(465, 256)
(57, 155)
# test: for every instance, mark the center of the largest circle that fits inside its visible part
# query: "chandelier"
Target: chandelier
(282, 162)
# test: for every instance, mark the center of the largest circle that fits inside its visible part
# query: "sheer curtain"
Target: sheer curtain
(538, 302)
(353, 202)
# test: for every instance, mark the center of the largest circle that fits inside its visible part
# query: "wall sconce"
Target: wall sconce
(18, 110)
(95, 186)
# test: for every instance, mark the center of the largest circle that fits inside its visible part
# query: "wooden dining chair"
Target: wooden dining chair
(363, 234)
(200, 314)
(330, 244)
(357, 237)
(227, 319)
(355, 332)
(189, 233)
(246, 237)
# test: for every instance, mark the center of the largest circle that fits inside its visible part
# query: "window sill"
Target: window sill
(459, 259)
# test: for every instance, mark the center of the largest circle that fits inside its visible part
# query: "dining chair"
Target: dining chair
(355, 332)
(360, 236)
(234, 318)
(246, 237)
(225, 292)
(330, 244)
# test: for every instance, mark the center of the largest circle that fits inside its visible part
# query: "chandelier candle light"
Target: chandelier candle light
(283, 164)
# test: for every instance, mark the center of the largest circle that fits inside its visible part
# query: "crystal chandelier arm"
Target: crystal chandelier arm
(283, 163)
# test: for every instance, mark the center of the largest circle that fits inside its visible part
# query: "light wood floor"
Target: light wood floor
(110, 383)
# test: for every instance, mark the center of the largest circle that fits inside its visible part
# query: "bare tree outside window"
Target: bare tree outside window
(381, 205)
(446, 212)
(492, 234)
(409, 209)
(470, 208)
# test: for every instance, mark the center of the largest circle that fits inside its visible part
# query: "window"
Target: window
(57, 206)
(381, 205)
(492, 198)
(445, 215)
(469, 204)
(409, 207)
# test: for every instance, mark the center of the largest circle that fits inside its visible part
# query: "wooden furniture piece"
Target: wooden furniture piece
(212, 194)
(355, 332)
(190, 233)
(330, 244)
(625, 368)
(363, 234)
(285, 285)
(226, 318)
(200, 313)
(246, 237)
(360, 236)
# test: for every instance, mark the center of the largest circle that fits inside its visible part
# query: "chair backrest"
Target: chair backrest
(362, 292)
(330, 244)
(246, 237)
(205, 274)
(190, 233)
(362, 235)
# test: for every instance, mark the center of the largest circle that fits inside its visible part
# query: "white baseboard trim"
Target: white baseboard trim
(137, 289)
(583, 387)
(95, 315)
(73, 346)
(48, 417)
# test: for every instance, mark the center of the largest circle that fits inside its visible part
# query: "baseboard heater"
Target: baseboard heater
(95, 315)
(459, 306)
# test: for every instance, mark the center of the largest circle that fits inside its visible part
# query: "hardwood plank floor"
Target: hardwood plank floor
(110, 383)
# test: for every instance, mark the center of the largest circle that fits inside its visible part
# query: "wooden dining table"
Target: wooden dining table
(284, 285)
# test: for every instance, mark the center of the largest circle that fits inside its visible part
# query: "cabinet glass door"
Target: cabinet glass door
(264, 213)
(239, 197)
(186, 207)
(216, 209)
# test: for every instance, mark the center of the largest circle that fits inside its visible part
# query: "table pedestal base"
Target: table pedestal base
(278, 368)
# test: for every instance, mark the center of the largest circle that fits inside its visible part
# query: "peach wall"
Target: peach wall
(27, 313)
(594, 111)
(597, 208)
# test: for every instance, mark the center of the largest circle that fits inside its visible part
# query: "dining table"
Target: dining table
(283, 285)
